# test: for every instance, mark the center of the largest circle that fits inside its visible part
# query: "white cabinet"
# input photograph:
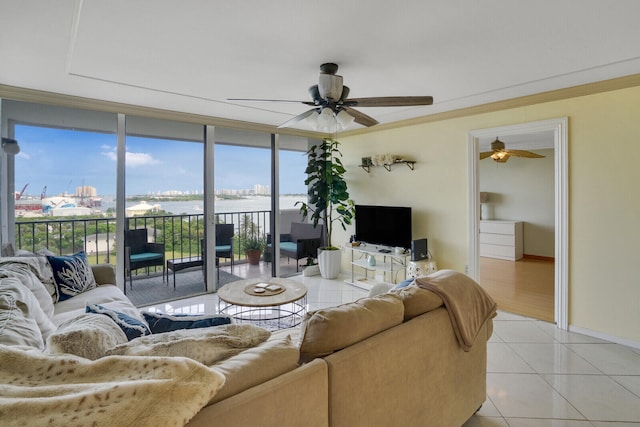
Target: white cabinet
(501, 239)
(389, 267)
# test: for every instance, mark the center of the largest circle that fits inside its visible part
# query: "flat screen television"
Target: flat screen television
(384, 225)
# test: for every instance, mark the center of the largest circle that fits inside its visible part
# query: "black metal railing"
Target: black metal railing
(181, 234)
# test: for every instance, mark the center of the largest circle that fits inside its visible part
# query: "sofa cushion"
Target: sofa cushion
(33, 272)
(160, 322)
(88, 335)
(417, 301)
(257, 365)
(207, 345)
(327, 330)
(22, 321)
(131, 326)
(72, 275)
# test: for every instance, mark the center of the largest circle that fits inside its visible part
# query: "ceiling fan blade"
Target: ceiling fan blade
(389, 101)
(270, 100)
(523, 153)
(361, 118)
(297, 118)
(485, 154)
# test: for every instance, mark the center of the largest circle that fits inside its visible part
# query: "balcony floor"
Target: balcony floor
(153, 288)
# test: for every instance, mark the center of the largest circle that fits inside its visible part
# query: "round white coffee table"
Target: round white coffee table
(282, 304)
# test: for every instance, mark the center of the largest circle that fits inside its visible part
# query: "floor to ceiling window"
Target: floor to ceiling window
(64, 181)
(164, 210)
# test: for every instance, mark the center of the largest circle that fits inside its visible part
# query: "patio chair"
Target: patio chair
(224, 242)
(140, 253)
(302, 242)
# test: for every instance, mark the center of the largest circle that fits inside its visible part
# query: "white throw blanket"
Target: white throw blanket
(65, 390)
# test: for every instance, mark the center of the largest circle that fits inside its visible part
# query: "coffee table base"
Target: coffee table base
(272, 317)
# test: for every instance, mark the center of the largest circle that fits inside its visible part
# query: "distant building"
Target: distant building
(86, 191)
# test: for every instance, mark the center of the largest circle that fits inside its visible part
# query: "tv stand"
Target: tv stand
(389, 265)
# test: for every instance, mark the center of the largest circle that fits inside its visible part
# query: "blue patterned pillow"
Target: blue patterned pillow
(72, 275)
(132, 327)
(160, 322)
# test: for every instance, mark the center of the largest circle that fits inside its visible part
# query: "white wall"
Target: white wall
(522, 190)
(604, 203)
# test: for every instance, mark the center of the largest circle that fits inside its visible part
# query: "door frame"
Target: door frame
(559, 127)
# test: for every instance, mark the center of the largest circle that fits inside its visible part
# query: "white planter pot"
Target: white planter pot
(329, 263)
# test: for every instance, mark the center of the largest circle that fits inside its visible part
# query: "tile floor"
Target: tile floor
(537, 375)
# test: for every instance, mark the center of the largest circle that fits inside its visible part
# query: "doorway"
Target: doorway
(558, 131)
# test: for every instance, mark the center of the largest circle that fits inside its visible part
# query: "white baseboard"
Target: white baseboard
(603, 336)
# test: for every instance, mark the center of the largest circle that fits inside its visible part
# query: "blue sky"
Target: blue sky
(153, 165)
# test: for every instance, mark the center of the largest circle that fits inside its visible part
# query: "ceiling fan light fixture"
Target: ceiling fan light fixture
(327, 120)
(344, 119)
(313, 120)
(330, 87)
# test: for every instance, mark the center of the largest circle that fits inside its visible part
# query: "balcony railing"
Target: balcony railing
(181, 234)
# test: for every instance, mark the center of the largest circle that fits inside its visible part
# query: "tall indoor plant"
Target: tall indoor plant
(328, 200)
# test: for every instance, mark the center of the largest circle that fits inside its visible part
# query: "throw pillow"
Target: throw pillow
(207, 346)
(72, 275)
(160, 322)
(22, 321)
(32, 273)
(88, 335)
(132, 327)
(331, 329)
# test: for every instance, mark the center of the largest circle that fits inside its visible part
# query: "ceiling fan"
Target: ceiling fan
(330, 102)
(499, 154)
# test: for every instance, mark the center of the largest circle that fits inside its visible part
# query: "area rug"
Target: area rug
(150, 290)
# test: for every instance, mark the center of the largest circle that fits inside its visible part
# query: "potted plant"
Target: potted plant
(328, 201)
(253, 246)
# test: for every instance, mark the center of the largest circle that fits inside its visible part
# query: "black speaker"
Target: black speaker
(419, 250)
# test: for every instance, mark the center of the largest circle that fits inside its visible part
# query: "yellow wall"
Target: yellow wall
(604, 201)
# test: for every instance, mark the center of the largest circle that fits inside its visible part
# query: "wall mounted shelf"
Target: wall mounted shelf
(410, 164)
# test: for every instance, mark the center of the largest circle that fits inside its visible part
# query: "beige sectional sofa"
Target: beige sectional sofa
(397, 359)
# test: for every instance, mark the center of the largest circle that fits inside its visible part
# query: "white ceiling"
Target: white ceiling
(191, 56)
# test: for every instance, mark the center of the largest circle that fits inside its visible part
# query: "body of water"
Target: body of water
(253, 203)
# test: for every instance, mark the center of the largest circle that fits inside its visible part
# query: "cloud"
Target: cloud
(133, 159)
(23, 155)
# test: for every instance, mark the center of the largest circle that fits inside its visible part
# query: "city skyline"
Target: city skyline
(153, 166)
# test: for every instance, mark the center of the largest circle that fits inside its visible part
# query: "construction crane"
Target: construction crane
(44, 193)
(19, 195)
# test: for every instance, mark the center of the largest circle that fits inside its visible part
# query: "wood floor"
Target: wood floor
(524, 287)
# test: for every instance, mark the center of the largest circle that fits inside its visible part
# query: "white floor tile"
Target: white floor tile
(612, 359)
(488, 409)
(477, 421)
(630, 382)
(503, 315)
(613, 424)
(540, 422)
(597, 397)
(567, 336)
(528, 396)
(521, 331)
(553, 359)
(502, 358)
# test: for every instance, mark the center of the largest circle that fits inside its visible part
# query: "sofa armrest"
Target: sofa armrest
(105, 274)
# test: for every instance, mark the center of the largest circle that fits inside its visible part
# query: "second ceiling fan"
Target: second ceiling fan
(500, 154)
(330, 102)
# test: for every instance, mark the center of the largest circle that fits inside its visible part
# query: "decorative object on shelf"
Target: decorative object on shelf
(328, 199)
(371, 260)
(410, 164)
(366, 161)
